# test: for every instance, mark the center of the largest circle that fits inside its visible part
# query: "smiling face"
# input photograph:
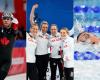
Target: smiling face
(44, 28)
(53, 29)
(64, 33)
(34, 29)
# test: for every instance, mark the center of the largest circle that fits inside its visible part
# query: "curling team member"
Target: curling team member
(42, 55)
(68, 53)
(8, 32)
(31, 45)
(55, 56)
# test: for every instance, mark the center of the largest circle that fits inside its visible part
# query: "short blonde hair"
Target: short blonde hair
(66, 29)
(35, 24)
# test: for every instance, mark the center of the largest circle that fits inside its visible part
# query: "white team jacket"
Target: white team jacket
(55, 44)
(31, 45)
(42, 44)
(68, 52)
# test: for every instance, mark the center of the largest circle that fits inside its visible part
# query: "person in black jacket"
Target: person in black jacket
(8, 32)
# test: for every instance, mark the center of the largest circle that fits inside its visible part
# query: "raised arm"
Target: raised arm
(32, 15)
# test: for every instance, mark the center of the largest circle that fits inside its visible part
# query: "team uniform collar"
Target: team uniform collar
(43, 33)
(57, 35)
(66, 38)
(32, 36)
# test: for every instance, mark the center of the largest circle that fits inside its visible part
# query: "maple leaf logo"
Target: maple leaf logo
(4, 41)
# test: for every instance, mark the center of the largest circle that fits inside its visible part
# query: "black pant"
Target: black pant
(32, 72)
(7, 38)
(53, 65)
(42, 64)
(69, 74)
(4, 68)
